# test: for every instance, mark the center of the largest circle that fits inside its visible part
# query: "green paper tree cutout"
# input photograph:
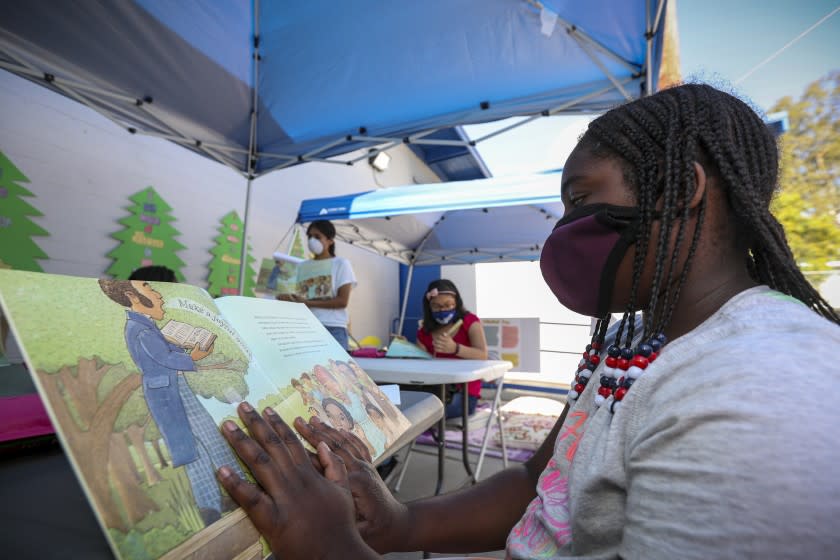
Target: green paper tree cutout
(297, 245)
(17, 249)
(227, 254)
(148, 237)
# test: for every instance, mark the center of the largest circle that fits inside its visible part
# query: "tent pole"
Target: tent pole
(405, 296)
(252, 151)
(648, 50)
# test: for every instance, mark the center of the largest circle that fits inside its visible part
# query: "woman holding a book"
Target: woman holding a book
(450, 331)
(333, 291)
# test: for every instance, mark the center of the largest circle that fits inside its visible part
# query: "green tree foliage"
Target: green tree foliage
(17, 249)
(227, 254)
(808, 205)
(148, 237)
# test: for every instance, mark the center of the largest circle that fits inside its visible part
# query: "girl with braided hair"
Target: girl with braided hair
(706, 430)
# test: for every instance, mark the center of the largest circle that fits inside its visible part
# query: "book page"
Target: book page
(402, 348)
(315, 374)
(314, 279)
(277, 276)
(132, 410)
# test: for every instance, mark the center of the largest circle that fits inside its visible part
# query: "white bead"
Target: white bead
(573, 394)
(635, 372)
(584, 374)
(581, 362)
(608, 371)
(599, 400)
(615, 406)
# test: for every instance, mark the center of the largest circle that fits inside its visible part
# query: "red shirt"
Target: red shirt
(462, 337)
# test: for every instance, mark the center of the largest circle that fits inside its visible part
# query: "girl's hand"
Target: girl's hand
(381, 520)
(300, 513)
(443, 344)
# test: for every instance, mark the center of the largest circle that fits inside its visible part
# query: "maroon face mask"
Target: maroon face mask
(580, 257)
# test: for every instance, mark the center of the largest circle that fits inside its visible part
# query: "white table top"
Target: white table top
(432, 372)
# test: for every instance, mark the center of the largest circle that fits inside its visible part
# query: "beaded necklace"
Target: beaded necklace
(622, 367)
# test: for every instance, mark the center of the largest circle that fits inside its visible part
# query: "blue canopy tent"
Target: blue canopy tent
(259, 85)
(500, 219)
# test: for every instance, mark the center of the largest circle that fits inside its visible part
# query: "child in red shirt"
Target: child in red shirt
(442, 309)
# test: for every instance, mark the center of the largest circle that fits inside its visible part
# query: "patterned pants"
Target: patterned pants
(213, 451)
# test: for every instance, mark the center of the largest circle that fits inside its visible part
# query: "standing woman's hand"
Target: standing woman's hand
(301, 513)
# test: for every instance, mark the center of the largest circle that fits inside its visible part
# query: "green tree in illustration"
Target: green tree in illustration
(808, 205)
(224, 268)
(17, 249)
(148, 237)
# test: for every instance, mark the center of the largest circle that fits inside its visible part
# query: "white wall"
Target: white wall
(518, 290)
(82, 169)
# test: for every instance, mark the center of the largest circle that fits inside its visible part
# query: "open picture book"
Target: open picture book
(287, 275)
(137, 409)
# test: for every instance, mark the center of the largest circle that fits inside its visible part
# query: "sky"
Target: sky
(720, 41)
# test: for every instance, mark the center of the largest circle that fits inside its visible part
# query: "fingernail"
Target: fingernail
(225, 472)
(246, 406)
(230, 426)
(269, 410)
(324, 445)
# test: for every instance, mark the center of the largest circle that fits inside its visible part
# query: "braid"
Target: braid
(657, 140)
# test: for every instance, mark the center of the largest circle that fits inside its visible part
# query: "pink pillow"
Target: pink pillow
(23, 417)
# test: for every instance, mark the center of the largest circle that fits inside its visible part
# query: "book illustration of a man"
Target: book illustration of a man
(189, 431)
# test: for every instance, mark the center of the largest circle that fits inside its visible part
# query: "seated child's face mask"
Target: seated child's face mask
(580, 257)
(444, 317)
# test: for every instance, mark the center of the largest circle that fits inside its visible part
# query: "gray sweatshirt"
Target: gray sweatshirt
(726, 447)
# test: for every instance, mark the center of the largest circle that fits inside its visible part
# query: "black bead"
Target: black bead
(605, 381)
(655, 344)
(588, 347)
(645, 350)
(662, 338)
(628, 382)
(626, 353)
(590, 366)
(613, 351)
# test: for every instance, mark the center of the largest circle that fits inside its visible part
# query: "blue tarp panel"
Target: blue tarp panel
(191, 71)
(487, 220)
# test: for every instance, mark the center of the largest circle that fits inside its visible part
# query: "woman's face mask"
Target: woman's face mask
(581, 256)
(444, 317)
(316, 246)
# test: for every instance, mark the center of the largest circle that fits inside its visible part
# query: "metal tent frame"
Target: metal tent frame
(138, 114)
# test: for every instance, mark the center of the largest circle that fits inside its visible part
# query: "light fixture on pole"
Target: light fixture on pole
(379, 161)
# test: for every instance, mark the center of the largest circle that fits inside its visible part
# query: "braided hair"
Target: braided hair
(656, 140)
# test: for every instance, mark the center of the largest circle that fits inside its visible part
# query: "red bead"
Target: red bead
(619, 393)
(611, 362)
(652, 356)
(586, 355)
(596, 345)
(623, 364)
(579, 388)
(595, 360)
(604, 391)
(639, 361)
(620, 380)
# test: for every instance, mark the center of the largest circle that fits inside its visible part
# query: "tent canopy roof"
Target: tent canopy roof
(464, 222)
(279, 83)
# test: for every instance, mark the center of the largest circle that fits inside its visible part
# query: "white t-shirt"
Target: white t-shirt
(342, 273)
(726, 447)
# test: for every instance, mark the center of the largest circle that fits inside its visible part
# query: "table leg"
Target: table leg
(441, 442)
(465, 428)
(494, 410)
